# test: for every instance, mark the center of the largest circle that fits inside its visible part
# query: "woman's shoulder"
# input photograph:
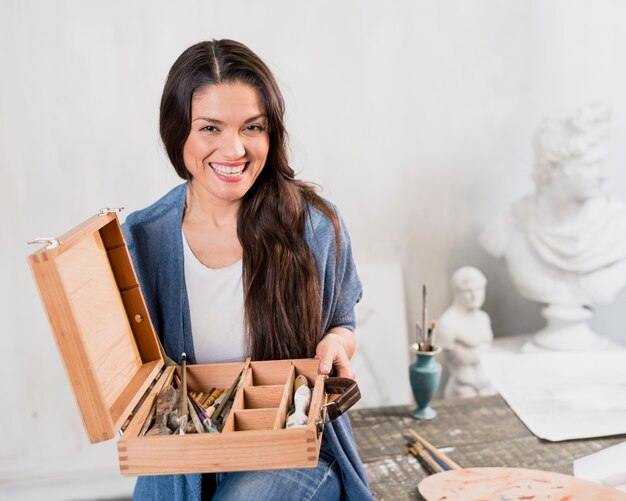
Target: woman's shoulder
(319, 222)
(147, 229)
(170, 204)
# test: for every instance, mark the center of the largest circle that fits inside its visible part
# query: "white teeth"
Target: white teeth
(228, 171)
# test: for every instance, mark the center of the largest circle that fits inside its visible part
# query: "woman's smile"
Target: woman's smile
(229, 172)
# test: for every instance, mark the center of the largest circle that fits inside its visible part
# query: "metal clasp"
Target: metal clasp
(52, 242)
(109, 210)
(321, 420)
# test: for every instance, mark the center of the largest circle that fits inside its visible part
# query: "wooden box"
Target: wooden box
(116, 367)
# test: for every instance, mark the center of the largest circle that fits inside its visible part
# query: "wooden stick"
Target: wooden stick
(445, 459)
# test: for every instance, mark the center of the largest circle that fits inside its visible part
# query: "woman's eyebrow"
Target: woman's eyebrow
(209, 119)
(256, 117)
(219, 122)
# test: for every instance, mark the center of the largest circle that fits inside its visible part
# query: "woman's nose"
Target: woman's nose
(232, 148)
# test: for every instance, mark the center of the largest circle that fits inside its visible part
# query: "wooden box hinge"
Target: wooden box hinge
(109, 210)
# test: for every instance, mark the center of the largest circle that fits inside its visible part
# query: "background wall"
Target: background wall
(415, 118)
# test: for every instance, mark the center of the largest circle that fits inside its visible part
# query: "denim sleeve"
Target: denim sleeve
(348, 288)
(339, 282)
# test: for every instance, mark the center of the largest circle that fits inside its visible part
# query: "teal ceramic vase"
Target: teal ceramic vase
(425, 374)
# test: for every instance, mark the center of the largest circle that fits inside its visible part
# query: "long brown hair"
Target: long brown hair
(281, 282)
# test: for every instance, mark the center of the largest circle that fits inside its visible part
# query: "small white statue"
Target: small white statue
(464, 333)
(565, 244)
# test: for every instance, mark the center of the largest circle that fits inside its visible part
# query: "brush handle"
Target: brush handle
(451, 464)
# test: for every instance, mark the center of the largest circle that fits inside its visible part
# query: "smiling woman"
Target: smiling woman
(224, 154)
(245, 260)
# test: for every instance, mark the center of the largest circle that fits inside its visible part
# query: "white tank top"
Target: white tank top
(216, 307)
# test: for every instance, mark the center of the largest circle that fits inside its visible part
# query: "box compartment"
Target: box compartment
(252, 438)
(262, 397)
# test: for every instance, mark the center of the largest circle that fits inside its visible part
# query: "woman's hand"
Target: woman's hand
(335, 350)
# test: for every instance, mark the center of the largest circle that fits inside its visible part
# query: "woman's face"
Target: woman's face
(228, 143)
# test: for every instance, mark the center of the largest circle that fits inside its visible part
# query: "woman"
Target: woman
(244, 260)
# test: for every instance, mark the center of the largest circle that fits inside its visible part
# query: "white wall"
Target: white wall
(415, 117)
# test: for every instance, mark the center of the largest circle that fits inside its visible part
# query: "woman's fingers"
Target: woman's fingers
(342, 366)
(326, 355)
(332, 355)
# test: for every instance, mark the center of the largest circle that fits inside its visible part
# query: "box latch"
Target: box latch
(52, 242)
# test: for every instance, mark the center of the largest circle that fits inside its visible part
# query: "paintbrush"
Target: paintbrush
(210, 410)
(223, 416)
(194, 417)
(204, 419)
(425, 346)
(416, 345)
(153, 411)
(435, 457)
(211, 398)
(421, 461)
(230, 393)
(434, 452)
(426, 460)
(431, 333)
(183, 411)
(148, 422)
(205, 398)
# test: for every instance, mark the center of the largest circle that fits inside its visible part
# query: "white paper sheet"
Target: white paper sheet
(562, 396)
(607, 467)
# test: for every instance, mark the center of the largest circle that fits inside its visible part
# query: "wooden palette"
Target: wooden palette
(512, 484)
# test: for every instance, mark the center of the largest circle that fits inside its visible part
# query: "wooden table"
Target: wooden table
(474, 432)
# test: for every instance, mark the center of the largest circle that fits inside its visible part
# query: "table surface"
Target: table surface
(474, 432)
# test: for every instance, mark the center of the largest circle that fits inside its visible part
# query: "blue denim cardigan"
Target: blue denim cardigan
(154, 239)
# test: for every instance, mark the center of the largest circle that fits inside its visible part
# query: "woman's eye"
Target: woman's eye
(255, 128)
(209, 128)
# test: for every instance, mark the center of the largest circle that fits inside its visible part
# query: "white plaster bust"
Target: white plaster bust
(565, 244)
(464, 333)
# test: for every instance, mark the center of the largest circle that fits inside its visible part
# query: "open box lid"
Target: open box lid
(100, 321)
